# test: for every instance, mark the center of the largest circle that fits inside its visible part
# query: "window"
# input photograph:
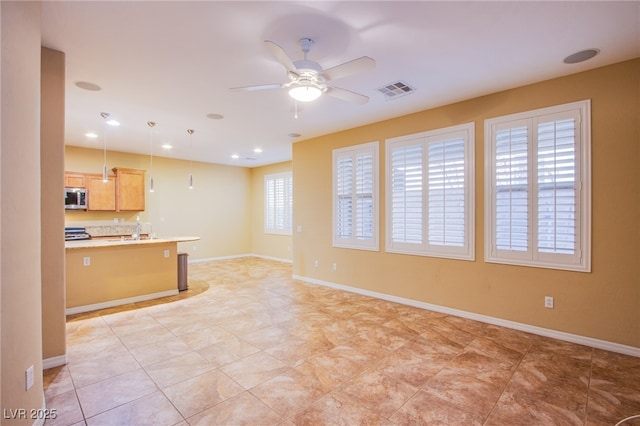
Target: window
(538, 186)
(430, 190)
(278, 203)
(355, 197)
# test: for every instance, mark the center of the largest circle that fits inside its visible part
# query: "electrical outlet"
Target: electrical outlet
(335, 266)
(28, 378)
(315, 263)
(166, 253)
(548, 302)
(86, 261)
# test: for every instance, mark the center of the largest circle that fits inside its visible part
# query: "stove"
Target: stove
(74, 233)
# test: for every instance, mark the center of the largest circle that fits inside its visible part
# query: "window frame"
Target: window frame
(372, 244)
(287, 216)
(465, 252)
(580, 260)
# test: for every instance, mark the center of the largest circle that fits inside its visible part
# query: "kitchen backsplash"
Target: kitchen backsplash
(106, 229)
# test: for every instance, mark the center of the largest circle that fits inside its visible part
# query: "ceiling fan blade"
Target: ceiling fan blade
(259, 87)
(347, 95)
(282, 57)
(348, 68)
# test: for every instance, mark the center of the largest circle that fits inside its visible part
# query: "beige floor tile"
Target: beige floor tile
(151, 410)
(289, 392)
(201, 392)
(254, 369)
(67, 409)
(253, 346)
(178, 369)
(95, 370)
(243, 409)
(121, 389)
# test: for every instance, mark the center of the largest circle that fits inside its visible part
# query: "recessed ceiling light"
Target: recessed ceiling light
(88, 86)
(91, 135)
(113, 122)
(294, 135)
(166, 146)
(215, 116)
(235, 156)
(257, 150)
(581, 56)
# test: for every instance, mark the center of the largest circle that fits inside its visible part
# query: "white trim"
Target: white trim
(55, 361)
(118, 302)
(277, 259)
(240, 256)
(555, 334)
(210, 259)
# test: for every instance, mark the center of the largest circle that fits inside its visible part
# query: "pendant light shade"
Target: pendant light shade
(105, 176)
(151, 124)
(190, 132)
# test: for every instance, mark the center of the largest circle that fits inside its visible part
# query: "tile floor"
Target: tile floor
(253, 346)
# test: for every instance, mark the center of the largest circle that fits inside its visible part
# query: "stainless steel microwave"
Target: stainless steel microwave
(75, 198)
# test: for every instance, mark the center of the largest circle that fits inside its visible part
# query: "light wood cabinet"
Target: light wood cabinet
(124, 191)
(102, 195)
(129, 189)
(74, 180)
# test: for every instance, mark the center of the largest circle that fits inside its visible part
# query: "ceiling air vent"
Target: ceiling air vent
(395, 90)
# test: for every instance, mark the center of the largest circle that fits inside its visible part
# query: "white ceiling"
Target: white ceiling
(174, 62)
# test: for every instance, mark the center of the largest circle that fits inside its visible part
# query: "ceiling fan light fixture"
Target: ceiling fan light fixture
(305, 93)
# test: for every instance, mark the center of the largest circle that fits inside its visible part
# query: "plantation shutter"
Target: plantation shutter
(446, 192)
(279, 203)
(406, 195)
(512, 189)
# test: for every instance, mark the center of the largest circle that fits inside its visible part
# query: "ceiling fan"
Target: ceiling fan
(308, 81)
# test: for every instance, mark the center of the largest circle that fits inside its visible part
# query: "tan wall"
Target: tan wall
(602, 304)
(269, 245)
(217, 209)
(20, 277)
(52, 220)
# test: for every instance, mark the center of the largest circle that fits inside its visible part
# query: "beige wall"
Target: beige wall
(602, 304)
(20, 276)
(268, 245)
(52, 220)
(217, 209)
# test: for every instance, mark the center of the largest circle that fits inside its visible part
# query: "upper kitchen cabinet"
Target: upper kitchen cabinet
(74, 180)
(129, 189)
(101, 194)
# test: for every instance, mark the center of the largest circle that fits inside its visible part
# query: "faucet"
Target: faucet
(138, 228)
(150, 230)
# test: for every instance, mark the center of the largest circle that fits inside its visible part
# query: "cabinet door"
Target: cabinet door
(130, 189)
(74, 180)
(102, 195)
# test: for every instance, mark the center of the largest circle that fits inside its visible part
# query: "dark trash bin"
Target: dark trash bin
(182, 271)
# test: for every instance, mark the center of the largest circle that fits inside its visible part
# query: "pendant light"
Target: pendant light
(151, 124)
(105, 177)
(190, 132)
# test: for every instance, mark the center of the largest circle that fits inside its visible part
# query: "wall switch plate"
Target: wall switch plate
(299, 228)
(548, 302)
(166, 253)
(86, 261)
(28, 378)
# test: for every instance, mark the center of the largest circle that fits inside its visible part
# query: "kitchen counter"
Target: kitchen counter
(112, 271)
(120, 241)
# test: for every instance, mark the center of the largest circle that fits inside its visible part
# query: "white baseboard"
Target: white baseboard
(55, 361)
(239, 256)
(560, 335)
(209, 259)
(40, 420)
(118, 302)
(277, 259)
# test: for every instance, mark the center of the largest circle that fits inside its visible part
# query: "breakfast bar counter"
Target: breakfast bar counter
(106, 272)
